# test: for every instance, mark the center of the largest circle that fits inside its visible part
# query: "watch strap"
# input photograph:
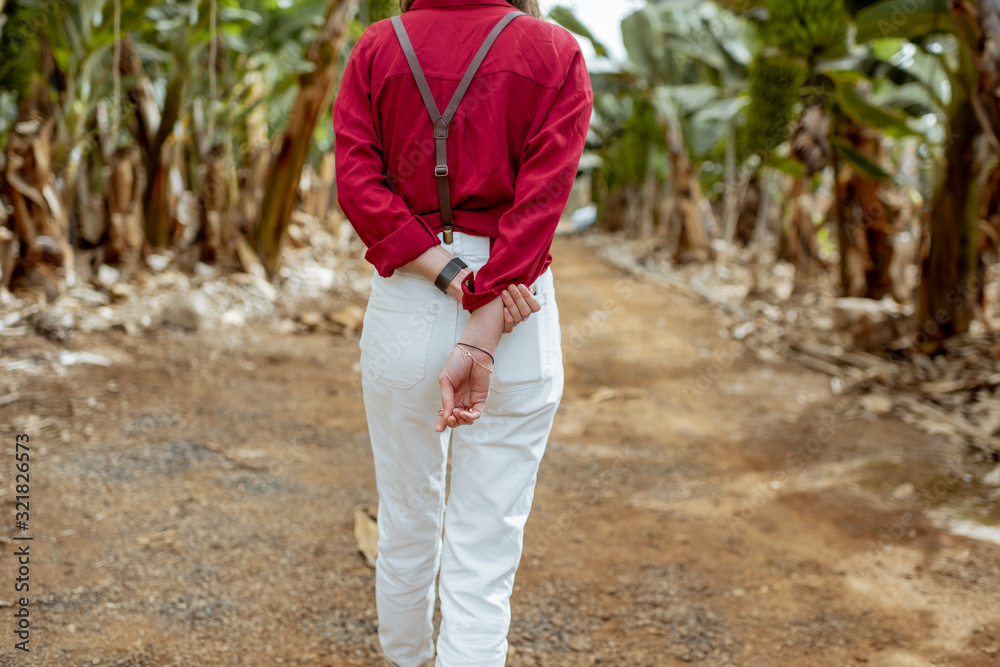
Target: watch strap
(448, 273)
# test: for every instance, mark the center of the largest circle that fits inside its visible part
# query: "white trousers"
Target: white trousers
(410, 328)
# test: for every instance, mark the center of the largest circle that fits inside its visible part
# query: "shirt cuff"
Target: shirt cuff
(472, 299)
(412, 239)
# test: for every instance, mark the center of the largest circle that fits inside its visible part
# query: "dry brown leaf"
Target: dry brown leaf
(366, 535)
(350, 318)
(605, 394)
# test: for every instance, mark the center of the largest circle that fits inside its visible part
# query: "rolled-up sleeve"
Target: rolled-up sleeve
(393, 235)
(547, 170)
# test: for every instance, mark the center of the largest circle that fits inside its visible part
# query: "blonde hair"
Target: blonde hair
(529, 7)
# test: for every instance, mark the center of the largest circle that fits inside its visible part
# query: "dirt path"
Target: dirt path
(193, 504)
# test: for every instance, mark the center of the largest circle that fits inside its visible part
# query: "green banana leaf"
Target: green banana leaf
(865, 166)
(689, 98)
(912, 98)
(616, 83)
(788, 165)
(644, 41)
(706, 130)
(567, 19)
(865, 113)
(907, 19)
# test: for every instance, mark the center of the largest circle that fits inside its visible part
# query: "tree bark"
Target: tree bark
(315, 92)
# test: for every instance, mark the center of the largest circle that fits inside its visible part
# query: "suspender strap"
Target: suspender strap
(442, 121)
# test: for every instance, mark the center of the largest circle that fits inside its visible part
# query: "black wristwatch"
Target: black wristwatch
(448, 273)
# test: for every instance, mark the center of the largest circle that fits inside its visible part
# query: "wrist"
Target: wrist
(476, 350)
(485, 326)
(455, 287)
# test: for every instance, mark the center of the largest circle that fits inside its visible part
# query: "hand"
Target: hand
(465, 384)
(519, 303)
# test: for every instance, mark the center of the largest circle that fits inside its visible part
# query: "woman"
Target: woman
(483, 183)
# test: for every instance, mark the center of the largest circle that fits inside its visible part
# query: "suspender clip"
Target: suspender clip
(441, 171)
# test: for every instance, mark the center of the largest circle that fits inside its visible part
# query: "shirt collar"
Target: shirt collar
(427, 4)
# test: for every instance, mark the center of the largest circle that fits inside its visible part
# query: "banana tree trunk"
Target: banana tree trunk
(157, 198)
(315, 92)
(749, 202)
(216, 200)
(8, 244)
(864, 229)
(799, 243)
(124, 199)
(39, 218)
(988, 64)
(948, 270)
(618, 210)
(3, 19)
(647, 197)
(760, 233)
(731, 201)
(692, 243)
(153, 130)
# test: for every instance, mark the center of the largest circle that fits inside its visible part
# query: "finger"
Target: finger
(464, 417)
(512, 308)
(522, 306)
(472, 414)
(508, 321)
(447, 403)
(530, 299)
(477, 409)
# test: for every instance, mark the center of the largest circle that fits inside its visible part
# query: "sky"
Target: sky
(602, 17)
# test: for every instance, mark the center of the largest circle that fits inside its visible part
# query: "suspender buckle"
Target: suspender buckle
(441, 171)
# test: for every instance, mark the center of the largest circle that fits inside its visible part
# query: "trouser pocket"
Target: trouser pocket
(528, 370)
(395, 341)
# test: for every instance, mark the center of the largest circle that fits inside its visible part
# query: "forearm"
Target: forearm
(485, 326)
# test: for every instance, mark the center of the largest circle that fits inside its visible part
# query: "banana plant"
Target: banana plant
(960, 39)
(673, 102)
(860, 94)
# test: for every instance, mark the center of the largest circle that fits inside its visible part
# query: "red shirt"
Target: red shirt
(514, 145)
